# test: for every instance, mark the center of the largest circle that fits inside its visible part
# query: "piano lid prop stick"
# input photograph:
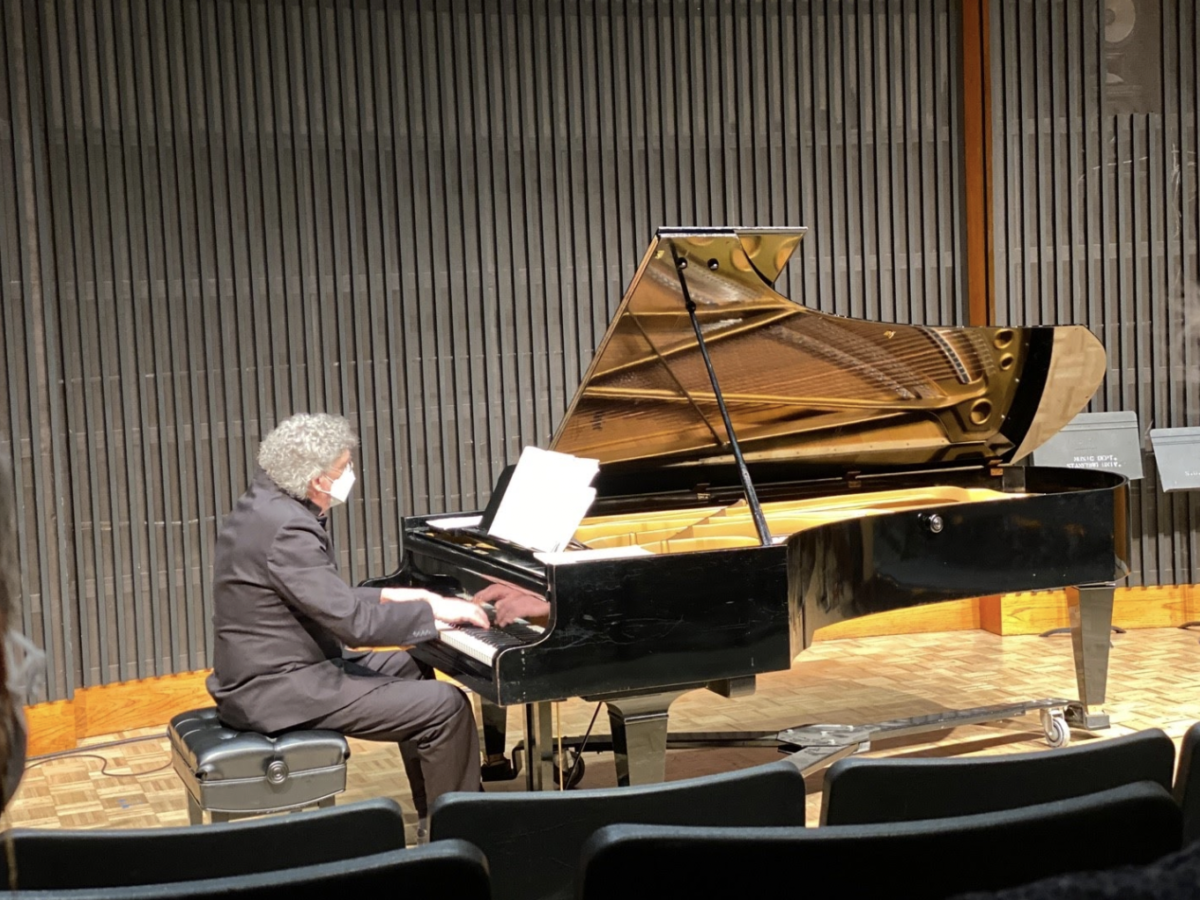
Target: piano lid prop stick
(760, 521)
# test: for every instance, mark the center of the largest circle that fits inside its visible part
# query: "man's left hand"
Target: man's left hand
(458, 612)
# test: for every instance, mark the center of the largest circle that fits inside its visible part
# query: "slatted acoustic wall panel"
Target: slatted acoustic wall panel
(214, 213)
(1094, 107)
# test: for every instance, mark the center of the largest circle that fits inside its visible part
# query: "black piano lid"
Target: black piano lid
(809, 388)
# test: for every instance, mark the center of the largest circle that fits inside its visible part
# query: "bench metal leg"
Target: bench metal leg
(195, 813)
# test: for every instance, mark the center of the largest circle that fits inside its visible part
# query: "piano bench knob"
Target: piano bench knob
(277, 772)
(933, 522)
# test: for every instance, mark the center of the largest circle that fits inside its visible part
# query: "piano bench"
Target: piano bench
(231, 773)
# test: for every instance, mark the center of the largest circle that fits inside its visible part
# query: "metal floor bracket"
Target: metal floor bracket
(812, 747)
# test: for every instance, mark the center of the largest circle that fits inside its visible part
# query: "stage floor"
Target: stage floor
(1154, 681)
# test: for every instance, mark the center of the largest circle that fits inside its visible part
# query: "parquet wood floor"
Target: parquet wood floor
(1154, 681)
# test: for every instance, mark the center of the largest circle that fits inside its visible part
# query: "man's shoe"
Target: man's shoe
(498, 769)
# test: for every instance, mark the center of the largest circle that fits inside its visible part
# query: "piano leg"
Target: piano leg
(539, 747)
(493, 738)
(1090, 607)
(639, 736)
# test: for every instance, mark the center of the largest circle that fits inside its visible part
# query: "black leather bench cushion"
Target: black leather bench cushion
(214, 752)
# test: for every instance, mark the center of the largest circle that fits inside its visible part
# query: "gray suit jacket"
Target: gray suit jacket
(282, 616)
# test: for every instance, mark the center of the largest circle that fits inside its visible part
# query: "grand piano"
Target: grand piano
(767, 470)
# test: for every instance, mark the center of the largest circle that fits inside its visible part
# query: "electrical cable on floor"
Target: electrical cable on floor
(58, 754)
(104, 768)
(88, 752)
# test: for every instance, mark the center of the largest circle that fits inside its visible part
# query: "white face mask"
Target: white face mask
(339, 490)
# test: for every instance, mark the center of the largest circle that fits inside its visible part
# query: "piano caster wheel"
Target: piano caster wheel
(575, 771)
(1055, 727)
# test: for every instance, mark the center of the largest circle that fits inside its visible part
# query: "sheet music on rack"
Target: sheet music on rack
(545, 499)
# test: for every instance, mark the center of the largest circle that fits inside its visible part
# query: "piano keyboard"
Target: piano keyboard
(483, 644)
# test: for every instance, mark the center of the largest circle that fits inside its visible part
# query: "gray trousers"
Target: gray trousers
(430, 720)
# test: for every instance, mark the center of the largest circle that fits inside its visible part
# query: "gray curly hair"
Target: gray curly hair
(302, 447)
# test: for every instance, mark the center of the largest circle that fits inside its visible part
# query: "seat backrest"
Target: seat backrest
(1187, 783)
(124, 857)
(451, 869)
(532, 839)
(1130, 825)
(862, 791)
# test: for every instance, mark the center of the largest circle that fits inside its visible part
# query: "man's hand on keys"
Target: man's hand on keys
(459, 612)
(446, 610)
(512, 603)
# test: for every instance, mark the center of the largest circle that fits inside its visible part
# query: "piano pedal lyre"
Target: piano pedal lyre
(492, 721)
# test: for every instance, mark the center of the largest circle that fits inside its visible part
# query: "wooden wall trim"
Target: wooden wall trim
(1159, 606)
(956, 615)
(1026, 613)
(977, 161)
(113, 708)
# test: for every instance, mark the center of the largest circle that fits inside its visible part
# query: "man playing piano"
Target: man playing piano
(283, 618)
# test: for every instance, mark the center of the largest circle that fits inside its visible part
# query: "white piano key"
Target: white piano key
(483, 644)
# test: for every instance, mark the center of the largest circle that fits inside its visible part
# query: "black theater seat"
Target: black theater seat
(1187, 784)
(532, 840)
(933, 858)
(864, 791)
(118, 858)
(452, 869)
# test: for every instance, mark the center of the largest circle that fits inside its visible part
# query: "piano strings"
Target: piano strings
(711, 528)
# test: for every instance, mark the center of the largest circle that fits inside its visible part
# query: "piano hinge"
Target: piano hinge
(701, 491)
(852, 480)
(1012, 478)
